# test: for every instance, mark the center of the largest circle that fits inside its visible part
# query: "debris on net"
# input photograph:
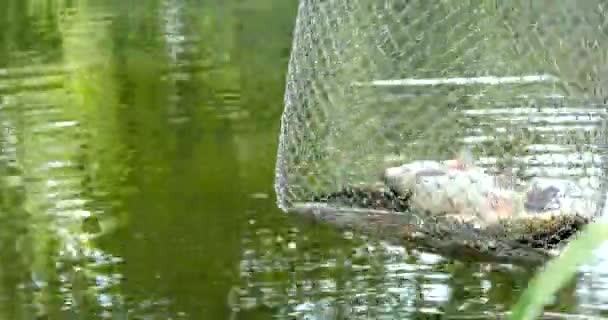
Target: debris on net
(379, 91)
(463, 214)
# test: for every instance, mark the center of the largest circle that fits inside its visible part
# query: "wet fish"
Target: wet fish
(458, 188)
(454, 187)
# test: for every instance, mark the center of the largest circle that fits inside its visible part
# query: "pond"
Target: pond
(138, 142)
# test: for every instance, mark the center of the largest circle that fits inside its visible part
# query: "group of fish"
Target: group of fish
(458, 188)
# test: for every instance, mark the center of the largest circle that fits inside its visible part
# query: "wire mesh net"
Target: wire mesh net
(405, 89)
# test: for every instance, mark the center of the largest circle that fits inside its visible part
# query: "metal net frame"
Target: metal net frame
(378, 83)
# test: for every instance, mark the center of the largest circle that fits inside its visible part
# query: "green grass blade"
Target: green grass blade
(559, 271)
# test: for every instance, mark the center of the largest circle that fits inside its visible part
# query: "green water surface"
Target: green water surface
(137, 148)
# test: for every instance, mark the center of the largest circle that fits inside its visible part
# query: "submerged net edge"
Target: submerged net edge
(522, 241)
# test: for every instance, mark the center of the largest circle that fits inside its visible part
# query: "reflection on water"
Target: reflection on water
(113, 159)
(137, 148)
(295, 276)
(310, 272)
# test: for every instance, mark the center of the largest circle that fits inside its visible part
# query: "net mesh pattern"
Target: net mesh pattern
(379, 83)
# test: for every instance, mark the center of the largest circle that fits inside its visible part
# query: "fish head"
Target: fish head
(540, 199)
(399, 178)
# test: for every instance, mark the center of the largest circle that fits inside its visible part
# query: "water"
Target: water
(137, 149)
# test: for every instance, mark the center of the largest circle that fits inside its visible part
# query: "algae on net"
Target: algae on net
(387, 214)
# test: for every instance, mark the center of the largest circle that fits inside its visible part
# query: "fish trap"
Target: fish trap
(379, 84)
